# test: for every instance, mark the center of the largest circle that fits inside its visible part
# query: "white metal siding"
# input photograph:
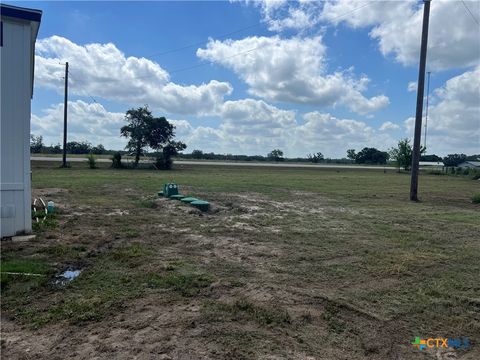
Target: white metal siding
(15, 128)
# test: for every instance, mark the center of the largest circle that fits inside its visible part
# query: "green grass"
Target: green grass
(103, 287)
(187, 284)
(243, 309)
(21, 276)
(336, 242)
(44, 222)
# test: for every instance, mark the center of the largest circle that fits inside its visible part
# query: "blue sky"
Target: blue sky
(300, 76)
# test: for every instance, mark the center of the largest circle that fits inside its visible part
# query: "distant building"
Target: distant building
(431, 163)
(470, 164)
(18, 33)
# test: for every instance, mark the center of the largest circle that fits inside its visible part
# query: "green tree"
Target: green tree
(402, 154)
(137, 130)
(36, 144)
(454, 159)
(164, 158)
(160, 134)
(431, 157)
(371, 156)
(351, 154)
(315, 158)
(275, 154)
(75, 147)
(197, 154)
(99, 149)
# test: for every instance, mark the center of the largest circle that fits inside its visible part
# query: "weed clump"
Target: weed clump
(117, 160)
(476, 198)
(92, 161)
(244, 309)
(49, 222)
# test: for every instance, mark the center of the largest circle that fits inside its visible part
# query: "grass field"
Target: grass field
(288, 264)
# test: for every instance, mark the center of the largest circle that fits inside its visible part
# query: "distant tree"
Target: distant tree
(402, 154)
(452, 160)
(371, 156)
(99, 149)
(117, 160)
(197, 154)
(473, 157)
(75, 147)
(56, 149)
(431, 157)
(351, 154)
(137, 130)
(315, 158)
(276, 155)
(36, 144)
(164, 159)
(160, 134)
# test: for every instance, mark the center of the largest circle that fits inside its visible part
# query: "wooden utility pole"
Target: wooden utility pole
(65, 108)
(420, 94)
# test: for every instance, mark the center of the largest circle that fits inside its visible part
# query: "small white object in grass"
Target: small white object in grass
(23, 274)
(23, 237)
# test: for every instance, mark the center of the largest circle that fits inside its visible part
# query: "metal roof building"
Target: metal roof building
(18, 33)
(470, 164)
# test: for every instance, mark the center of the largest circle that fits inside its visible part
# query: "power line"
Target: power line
(471, 14)
(351, 11)
(187, 46)
(225, 58)
(175, 71)
(90, 96)
(202, 42)
(219, 36)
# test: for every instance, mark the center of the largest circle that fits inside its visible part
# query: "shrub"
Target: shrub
(476, 198)
(466, 171)
(92, 161)
(436, 172)
(163, 162)
(475, 174)
(117, 160)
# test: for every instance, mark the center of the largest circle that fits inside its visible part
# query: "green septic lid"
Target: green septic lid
(200, 204)
(188, 199)
(177, 197)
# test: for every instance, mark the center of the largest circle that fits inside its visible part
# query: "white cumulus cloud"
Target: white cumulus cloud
(292, 70)
(388, 125)
(412, 86)
(86, 122)
(454, 117)
(396, 25)
(102, 70)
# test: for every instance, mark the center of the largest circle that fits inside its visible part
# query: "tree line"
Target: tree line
(73, 147)
(144, 131)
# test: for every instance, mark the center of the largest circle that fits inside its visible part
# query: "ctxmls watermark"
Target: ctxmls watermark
(452, 343)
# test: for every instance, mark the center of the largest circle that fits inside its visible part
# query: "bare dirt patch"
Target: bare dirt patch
(257, 277)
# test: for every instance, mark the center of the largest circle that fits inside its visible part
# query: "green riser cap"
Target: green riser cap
(177, 197)
(200, 204)
(188, 199)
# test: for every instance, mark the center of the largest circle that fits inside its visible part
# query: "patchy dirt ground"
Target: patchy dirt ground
(297, 275)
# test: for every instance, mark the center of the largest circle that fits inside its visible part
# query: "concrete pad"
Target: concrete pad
(23, 238)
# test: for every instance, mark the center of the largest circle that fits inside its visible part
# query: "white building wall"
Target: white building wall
(15, 111)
